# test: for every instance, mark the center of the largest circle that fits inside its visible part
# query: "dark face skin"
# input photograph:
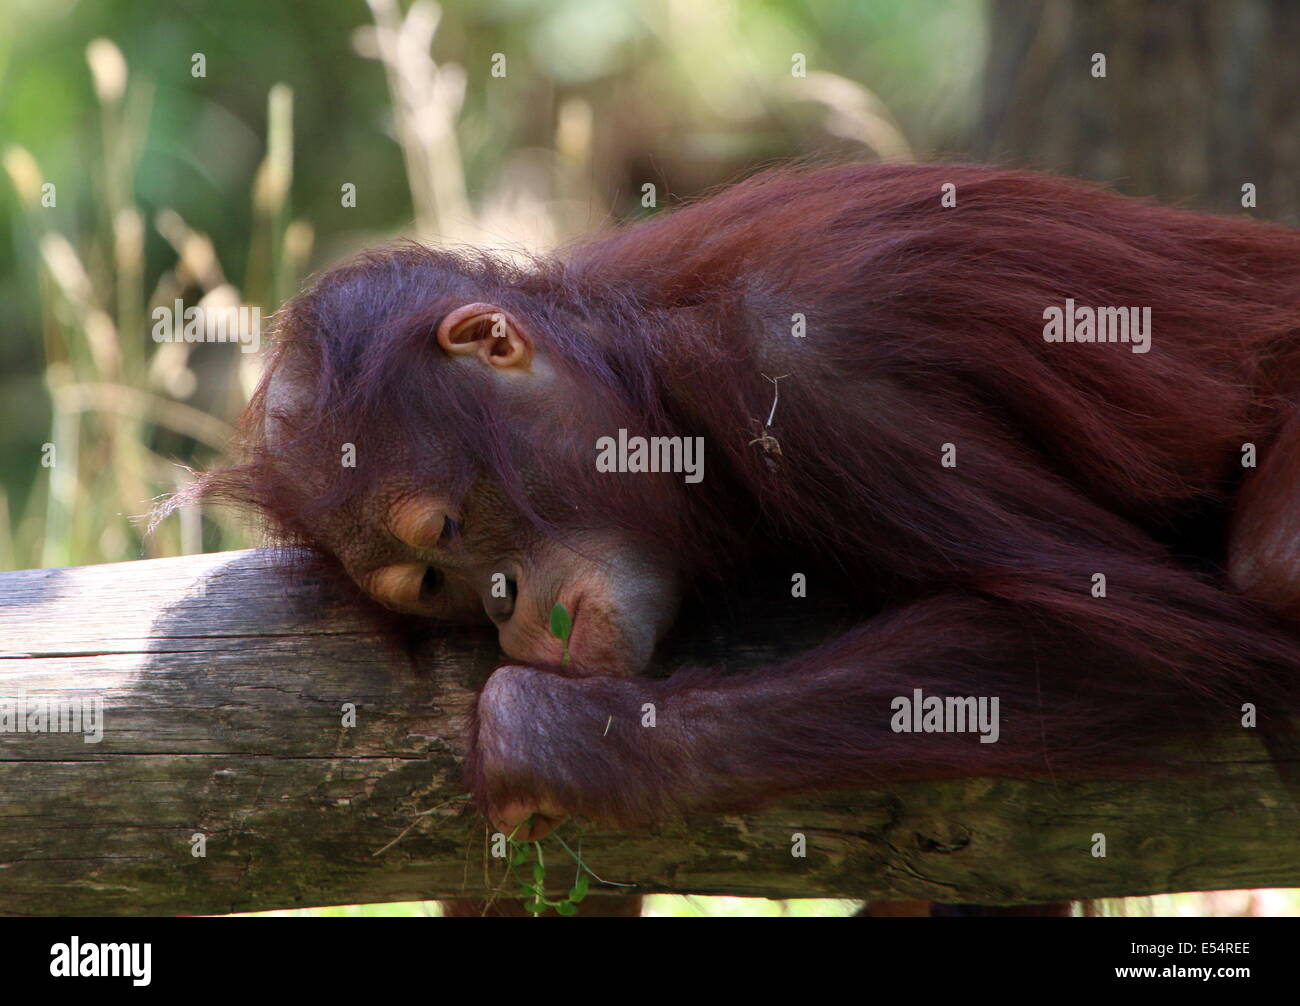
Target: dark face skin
(478, 559)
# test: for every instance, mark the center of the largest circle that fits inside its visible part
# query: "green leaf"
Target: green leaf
(566, 908)
(536, 907)
(579, 888)
(520, 857)
(561, 623)
(539, 874)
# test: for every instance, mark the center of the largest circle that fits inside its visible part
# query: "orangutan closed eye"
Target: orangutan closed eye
(1033, 509)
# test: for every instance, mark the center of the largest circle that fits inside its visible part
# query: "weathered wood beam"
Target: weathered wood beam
(223, 680)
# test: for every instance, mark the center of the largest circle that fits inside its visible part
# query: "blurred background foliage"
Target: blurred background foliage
(130, 182)
(169, 185)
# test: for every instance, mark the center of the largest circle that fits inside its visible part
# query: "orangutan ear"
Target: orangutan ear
(486, 331)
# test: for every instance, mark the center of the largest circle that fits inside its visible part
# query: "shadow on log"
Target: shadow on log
(224, 679)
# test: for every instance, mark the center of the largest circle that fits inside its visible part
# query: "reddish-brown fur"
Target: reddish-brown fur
(924, 327)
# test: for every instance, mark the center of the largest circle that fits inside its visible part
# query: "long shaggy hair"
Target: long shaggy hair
(924, 329)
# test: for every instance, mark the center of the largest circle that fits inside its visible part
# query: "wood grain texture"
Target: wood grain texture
(224, 677)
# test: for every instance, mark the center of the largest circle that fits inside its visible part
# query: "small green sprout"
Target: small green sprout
(534, 893)
(561, 629)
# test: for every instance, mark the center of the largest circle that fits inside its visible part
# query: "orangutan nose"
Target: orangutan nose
(499, 603)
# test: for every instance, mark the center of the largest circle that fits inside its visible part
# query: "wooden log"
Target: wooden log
(224, 681)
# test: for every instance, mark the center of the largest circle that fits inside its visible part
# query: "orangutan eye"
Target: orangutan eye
(450, 532)
(430, 585)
